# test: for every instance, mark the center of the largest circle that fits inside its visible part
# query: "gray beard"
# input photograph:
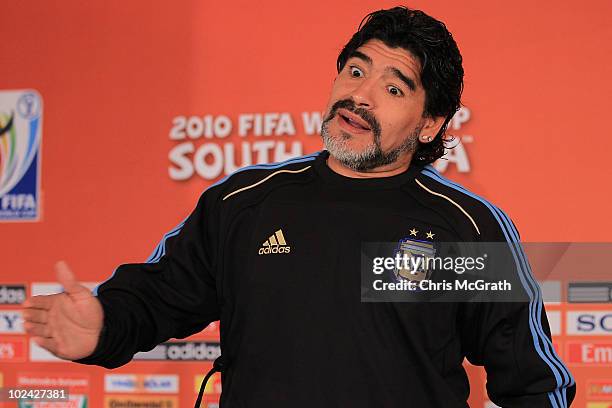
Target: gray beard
(372, 156)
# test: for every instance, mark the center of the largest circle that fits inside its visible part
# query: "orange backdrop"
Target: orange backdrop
(138, 95)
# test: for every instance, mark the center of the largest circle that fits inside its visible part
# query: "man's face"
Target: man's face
(375, 112)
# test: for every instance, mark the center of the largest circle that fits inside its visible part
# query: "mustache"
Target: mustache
(364, 114)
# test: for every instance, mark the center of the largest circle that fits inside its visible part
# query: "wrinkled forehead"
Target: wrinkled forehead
(384, 56)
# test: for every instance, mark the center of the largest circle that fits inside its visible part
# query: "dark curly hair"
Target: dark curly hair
(441, 71)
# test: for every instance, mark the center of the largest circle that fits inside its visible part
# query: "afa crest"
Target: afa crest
(415, 264)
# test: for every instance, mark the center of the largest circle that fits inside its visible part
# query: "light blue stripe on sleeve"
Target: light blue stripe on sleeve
(559, 399)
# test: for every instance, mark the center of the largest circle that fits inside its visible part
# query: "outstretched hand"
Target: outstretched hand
(67, 324)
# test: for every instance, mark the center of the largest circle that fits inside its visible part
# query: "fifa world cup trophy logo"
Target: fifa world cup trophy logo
(20, 139)
(7, 154)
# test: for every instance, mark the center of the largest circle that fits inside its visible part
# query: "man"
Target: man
(273, 252)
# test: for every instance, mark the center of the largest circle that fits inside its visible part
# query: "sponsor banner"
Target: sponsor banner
(12, 294)
(21, 114)
(141, 383)
(589, 323)
(200, 148)
(182, 351)
(11, 322)
(74, 401)
(131, 401)
(74, 382)
(213, 386)
(52, 288)
(211, 159)
(554, 320)
(12, 350)
(589, 353)
(589, 292)
(600, 389)
(38, 353)
(551, 292)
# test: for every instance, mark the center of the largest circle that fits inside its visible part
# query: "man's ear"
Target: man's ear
(431, 127)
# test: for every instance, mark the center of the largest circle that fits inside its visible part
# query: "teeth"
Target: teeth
(352, 122)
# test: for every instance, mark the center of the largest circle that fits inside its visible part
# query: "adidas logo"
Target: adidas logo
(276, 244)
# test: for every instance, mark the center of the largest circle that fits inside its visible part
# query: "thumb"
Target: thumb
(67, 279)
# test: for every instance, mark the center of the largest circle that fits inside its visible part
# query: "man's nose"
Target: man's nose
(363, 95)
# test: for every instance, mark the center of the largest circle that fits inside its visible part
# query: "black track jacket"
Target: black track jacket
(272, 251)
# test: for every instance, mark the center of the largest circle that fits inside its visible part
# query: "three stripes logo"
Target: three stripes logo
(275, 244)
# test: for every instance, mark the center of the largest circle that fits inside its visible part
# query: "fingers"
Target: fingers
(37, 329)
(66, 278)
(35, 316)
(39, 302)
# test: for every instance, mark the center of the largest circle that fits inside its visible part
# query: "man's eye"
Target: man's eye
(395, 91)
(355, 72)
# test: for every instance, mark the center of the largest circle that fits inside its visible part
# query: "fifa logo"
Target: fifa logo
(20, 138)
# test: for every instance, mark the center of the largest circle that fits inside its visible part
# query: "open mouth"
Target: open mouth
(346, 119)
